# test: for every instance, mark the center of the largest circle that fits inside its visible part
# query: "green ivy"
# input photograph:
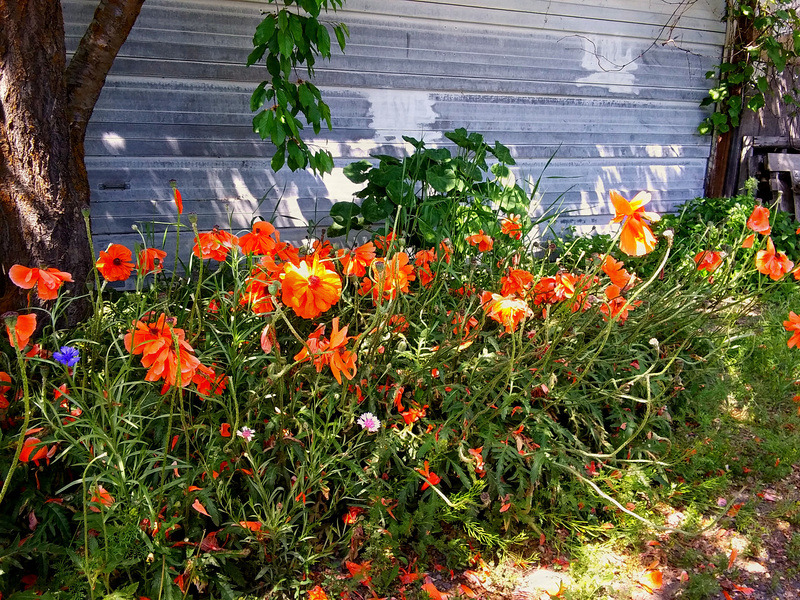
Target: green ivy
(287, 40)
(767, 39)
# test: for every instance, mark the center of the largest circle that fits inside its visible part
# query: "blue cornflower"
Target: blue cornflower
(68, 356)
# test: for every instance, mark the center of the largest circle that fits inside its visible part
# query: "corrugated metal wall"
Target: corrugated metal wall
(612, 87)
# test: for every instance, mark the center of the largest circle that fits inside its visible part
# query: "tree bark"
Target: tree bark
(44, 110)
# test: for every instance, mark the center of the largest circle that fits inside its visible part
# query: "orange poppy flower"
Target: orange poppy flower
(708, 260)
(517, 283)
(310, 290)
(636, 238)
(384, 242)
(115, 263)
(101, 496)
(260, 240)
(147, 261)
(512, 227)
(431, 478)
(616, 272)
(793, 324)
(29, 450)
(388, 277)
(5, 381)
(155, 343)
(48, 281)
(209, 382)
(481, 240)
(509, 312)
(759, 220)
(356, 262)
(214, 245)
(342, 361)
(317, 593)
(772, 263)
(23, 330)
(615, 307)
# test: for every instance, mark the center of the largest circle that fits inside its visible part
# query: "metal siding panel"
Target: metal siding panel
(605, 83)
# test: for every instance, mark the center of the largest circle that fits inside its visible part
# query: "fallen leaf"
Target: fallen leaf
(734, 554)
(467, 591)
(433, 592)
(727, 595)
(652, 580)
(745, 590)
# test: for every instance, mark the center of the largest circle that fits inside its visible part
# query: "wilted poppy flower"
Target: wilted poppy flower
(23, 329)
(260, 240)
(310, 290)
(115, 263)
(708, 260)
(512, 227)
(214, 245)
(481, 240)
(636, 238)
(147, 260)
(759, 220)
(772, 263)
(793, 324)
(49, 280)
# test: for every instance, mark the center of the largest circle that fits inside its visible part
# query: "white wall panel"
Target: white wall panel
(613, 86)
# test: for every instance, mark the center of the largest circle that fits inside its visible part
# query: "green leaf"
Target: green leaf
(258, 97)
(305, 95)
(285, 43)
(278, 133)
(278, 160)
(297, 157)
(323, 41)
(343, 212)
(441, 178)
(400, 192)
(263, 123)
(438, 154)
(762, 84)
(503, 154)
(418, 144)
(256, 55)
(264, 31)
(341, 33)
(357, 172)
(375, 211)
(337, 230)
(324, 161)
(296, 28)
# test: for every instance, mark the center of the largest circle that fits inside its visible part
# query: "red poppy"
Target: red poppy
(147, 260)
(310, 290)
(481, 240)
(48, 281)
(431, 478)
(260, 240)
(636, 238)
(351, 516)
(615, 269)
(115, 263)
(773, 263)
(759, 220)
(208, 382)
(708, 260)
(23, 330)
(214, 245)
(225, 430)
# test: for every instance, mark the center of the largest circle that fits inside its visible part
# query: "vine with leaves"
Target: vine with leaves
(287, 40)
(764, 41)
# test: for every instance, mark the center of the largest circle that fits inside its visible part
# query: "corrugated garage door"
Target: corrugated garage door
(613, 86)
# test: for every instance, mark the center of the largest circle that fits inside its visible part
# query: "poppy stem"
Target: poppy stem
(27, 406)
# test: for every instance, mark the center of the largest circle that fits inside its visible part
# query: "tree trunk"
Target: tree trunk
(44, 110)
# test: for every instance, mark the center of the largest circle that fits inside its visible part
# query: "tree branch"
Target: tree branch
(86, 73)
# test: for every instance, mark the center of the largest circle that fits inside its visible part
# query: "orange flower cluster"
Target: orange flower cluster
(793, 324)
(423, 259)
(47, 281)
(636, 238)
(330, 352)
(154, 341)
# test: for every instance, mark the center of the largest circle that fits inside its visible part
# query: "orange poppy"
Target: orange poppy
(317, 593)
(384, 242)
(708, 260)
(48, 281)
(260, 240)
(310, 289)
(355, 262)
(616, 306)
(512, 227)
(481, 240)
(214, 244)
(759, 220)
(772, 263)
(616, 272)
(29, 450)
(23, 330)
(793, 324)
(431, 478)
(509, 312)
(101, 496)
(748, 241)
(256, 293)
(177, 196)
(155, 343)
(5, 379)
(115, 263)
(636, 238)
(517, 283)
(147, 261)
(342, 361)
(388, 277)
(209, 382)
